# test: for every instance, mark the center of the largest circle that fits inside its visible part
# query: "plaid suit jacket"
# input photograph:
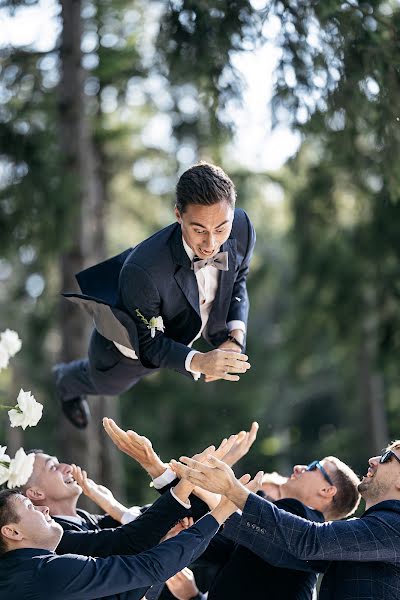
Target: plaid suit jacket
(360, 557)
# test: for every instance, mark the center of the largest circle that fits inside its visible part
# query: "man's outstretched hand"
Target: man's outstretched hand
(137, 447)
(243, 443)
(99, 494)
(220, 364)
(216, 476)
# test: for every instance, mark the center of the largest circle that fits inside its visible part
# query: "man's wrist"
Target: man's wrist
(234, 340)
(183, 489)
(155, 469)
(195, 364)
(238, 494)
(224, 510)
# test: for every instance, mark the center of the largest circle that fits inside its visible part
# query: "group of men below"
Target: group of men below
(266, 537)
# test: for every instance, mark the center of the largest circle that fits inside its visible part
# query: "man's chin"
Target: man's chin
(364, 486)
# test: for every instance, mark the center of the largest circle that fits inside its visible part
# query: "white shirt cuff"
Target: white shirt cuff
(130, 515)
(236, 325)
(185, 504)
(196, 374)
(164, 479)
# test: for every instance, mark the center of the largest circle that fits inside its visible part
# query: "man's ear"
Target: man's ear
(178, 215)
(35, 494)
(11, 532)
(328, 492)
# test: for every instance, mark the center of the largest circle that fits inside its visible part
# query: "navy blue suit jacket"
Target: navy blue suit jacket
(246, 575)
(134, 537)
(35, 574)
(156, 278)
(360, 557)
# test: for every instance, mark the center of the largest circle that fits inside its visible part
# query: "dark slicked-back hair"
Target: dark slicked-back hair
(204, 184)
(8, 514)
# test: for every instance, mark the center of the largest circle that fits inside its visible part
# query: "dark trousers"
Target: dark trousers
(105, 372)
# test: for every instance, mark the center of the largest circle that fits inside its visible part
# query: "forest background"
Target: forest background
(94, 133)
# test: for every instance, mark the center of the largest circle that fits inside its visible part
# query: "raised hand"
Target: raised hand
(215, 476)
(181, 525)
(99, 494)
(136, 446)
(183, 585)
(243, 443)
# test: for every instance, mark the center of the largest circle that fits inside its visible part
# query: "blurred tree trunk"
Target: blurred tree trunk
(371, 383)
(87, 244)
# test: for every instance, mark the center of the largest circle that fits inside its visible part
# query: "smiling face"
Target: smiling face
(206, 228)
(52, 484)
(310, 487)
(33, 527)
(382, 481)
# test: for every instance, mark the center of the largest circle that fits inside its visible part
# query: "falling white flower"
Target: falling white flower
(4, 473)
(3, 456)
(28, 412)
(10, 341)
(4, 357)
(21, 467)
(4, 464)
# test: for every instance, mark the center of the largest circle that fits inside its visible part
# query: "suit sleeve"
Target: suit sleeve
(71, 577)
(268, 530)
(132, 538)
(159, 351)
(278, 557)
(239, 307)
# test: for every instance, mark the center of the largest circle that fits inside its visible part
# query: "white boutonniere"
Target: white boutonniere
(154, 324)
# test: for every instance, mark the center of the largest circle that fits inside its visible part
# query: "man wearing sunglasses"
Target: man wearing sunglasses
(360, 557)
(322, 490)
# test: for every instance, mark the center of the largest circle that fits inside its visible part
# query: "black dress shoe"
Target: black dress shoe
(77, 411)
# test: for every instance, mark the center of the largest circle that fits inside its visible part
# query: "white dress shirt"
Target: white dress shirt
(207, 282)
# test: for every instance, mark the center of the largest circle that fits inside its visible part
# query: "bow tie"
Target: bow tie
(219, 261)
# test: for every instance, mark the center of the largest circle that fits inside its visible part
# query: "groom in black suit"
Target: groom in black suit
(150, 303)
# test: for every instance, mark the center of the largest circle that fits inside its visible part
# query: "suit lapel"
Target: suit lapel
(184, 276)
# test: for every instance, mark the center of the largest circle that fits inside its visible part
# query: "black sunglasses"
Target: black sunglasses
(386, 456)
(315, 464)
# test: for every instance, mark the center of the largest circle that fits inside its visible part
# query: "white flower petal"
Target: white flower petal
(3, 456)
(21, 467)
(27, 413)
(4, 472)
(11, 342)
(4, 357)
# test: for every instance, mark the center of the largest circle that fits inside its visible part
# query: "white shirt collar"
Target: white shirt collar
(77, 520)
(188, 250)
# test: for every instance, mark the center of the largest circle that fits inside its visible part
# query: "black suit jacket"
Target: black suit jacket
(90, 522)
(246, 575)
(156, 278)
(132, 538)
(30, 574)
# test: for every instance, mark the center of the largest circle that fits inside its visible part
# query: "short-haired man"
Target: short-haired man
(30, 569)
(360, 557)
(150, 303)
(321, 491)
(52, 484)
